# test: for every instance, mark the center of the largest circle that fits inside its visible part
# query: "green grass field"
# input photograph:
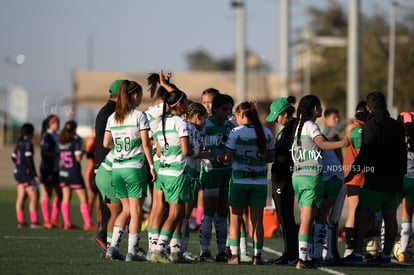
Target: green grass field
(55, 251)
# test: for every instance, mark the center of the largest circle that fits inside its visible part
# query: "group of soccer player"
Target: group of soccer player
(178, 149)
(172, 150)
(60, 171)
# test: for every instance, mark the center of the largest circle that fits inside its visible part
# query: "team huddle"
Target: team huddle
(184, 154)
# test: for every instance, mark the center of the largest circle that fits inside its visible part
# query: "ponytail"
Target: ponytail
(153, 80)
(305, 112)
(124, 104)
(27, 129)
(171, 101)
(68, 131)
(250, 111)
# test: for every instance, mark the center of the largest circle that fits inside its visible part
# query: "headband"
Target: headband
(178, 101)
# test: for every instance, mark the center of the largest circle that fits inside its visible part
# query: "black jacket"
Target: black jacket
(100, 125)
(283, 163)
(383, 155)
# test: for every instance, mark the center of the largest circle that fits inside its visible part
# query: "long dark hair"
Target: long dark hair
(172, 100)
(407, 120)
(291, 109)
(305, 112)
(124, 103)
(27, 129)
(156, 90)
(46, 123)
(220, 100)
(361, 112)
(68, 131)
(249, 110)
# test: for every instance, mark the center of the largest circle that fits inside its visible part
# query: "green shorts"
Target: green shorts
(308, 190)
(157, 165)
(156, 168)
(408, 192)
(104, 183)
(175, 189)
(247, 195)
(376, 200)
(130, 182)
(215, 183)
(332, 187)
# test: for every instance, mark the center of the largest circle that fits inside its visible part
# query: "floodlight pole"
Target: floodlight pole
(284, 48)
(391, 59)
(353, 58)
(241, 50)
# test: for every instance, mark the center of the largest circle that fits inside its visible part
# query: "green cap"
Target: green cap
(115, 86)
(277, 107)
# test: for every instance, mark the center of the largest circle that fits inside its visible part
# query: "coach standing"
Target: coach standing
(101, 152)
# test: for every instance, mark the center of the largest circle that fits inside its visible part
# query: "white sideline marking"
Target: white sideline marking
(323, 269)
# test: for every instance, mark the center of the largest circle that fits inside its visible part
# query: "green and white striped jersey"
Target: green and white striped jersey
(154, 114)
(307, 157)
(108, 161)
(215, 137)
(128, 151)
(194, 137)
(249, 166)
(172, 161)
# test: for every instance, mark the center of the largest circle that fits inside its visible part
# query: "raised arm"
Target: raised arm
(330, 145)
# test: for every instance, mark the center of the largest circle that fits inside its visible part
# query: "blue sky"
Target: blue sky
(131, 35)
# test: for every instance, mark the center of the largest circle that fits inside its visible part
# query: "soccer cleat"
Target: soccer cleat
(70, 227)
(56, 224)
(318, 262)
(22, 225)
(177, 258)
(221, 257)
(228, 252)
(100, 242)
(36, 226)
(303, 264)
(245, 258)
(141, 252)
(233, 260)
(189, 256)
(292, 262)
(113, 254)
(48, 225)
(159, 257)
(353, 259)
(348, 252)
(148, 256)
(402, 258)
(257, 260)
(134, 258)
(381, 260)
(206, 257)
(282, 260)
(91, 227)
